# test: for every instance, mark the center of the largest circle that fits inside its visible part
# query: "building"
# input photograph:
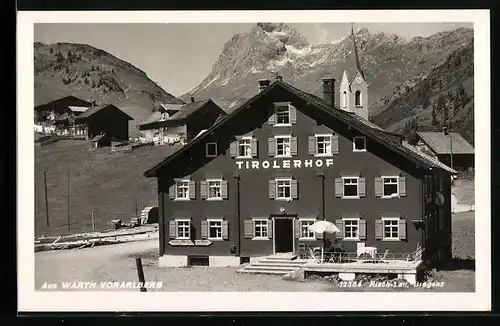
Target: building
(448, 147)
(52, 110)
(64, 124)
(105, 123)
(138, 114)
(179, 124)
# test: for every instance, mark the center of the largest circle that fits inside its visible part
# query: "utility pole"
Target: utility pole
(46, 197)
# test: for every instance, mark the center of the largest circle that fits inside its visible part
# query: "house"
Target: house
(64, 124)
(179, 123)
(448, 147)
(106, 121)
(50, 111)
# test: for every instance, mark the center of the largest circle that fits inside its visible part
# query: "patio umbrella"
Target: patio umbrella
(322, 227)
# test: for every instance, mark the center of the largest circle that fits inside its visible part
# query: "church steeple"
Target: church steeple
(356, 56)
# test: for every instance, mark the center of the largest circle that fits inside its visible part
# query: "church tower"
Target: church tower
(353, 87)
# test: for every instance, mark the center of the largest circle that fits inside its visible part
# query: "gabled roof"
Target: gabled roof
(188, 109)
(441, 144)
(68, 100)
(376, 134)
(93, 110)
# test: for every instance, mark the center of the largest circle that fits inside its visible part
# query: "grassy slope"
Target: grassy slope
(101, 181)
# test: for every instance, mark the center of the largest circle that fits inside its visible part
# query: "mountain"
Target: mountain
(92, 74)
(387, 60)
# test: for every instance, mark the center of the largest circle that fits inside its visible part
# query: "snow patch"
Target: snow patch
(255, 71)
(225, 81)
(210, 82)
(233, 104)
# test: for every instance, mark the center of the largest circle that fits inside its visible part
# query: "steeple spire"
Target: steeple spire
(358, 65)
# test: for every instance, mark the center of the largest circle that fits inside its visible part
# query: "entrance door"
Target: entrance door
(283, 235)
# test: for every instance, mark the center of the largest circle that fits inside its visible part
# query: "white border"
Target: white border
(29, 300)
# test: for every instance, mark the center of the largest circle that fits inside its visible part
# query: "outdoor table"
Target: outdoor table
(372, 251)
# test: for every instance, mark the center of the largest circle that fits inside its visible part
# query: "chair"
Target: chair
(314, 256)
(384, 256)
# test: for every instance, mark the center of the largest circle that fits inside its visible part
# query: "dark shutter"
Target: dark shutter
(271, 146)
(270, 229)
(379, 187)
(402, 186)
(335, 144)
(294, 191)
(379, 229)
(362, 229)
(172, 229)
(340, 224)
(249, 229)
(293, 114)
(203, 189)
(254, 148)
(223, 189)
(225, 230)
(402, 229)
(272, 189)
(298, 231)
(192, 189)
(339, 187)
(204, 229)
(233, 149)
(171, 192)
(293, 146)
(272, 119)
(312, 145)
(361, 187)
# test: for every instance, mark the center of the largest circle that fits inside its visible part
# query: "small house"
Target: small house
(50, 111)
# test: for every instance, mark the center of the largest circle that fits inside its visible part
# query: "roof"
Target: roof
(154, 117)
(376, 134)
(98, 137)
(171, 106)
(78, 108)
(188, 109)
(441, 144)
(93, 110)
(67, 100)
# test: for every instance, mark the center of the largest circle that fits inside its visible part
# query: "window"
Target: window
(215, 229)
(211, 149)
(357, 98)
(245, 147)
(350, 187)
(391, 228)
(304, 229)
(282, 114)
(260, 228)
(214, 189)
(390, 186)
(351, 228)
(182, 189)
(283, 189)
(344, 97)
(283, 145)
(359, 144)
(323, 145)
(183, 229)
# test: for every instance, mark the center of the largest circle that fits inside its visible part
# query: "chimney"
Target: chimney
(192, 99)
(263, 83)
(280, 78)
(329, 91)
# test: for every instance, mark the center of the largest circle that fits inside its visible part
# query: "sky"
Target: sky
(179, 56)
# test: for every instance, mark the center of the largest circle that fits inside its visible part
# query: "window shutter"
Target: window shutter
(312, 145)
(192, 189)
(293, 114)
(362, 229)
(272, 119)
(233, 149)
(361, 187)
(171, 192)
(297, 229)
(203, 189)
(294, 192)
(402, 229)
(293, 146)
(254, 150)
(204, 229)
(340, 224)
(402, 186)
(270, 229)
(335, 144)
(339, 187)
(172, 229)
(379, 187)
(223, 189)
(271, 146)
(272, 189)
(318, 235)
(248, 229)
(379, 229)
(225, 230)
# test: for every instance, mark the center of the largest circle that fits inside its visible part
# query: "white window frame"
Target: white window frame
(255, 228)
(176, 189)
(177, 228)
(210, 220)
(344, 184)
(383, 186)
(206, 149)
(289, 137)
(301, 220)
(354, 144)
(247, 146)
(208, 189)
(384, 219)
(277, 180)
(357, 219)
(276, 107)
(317, 145)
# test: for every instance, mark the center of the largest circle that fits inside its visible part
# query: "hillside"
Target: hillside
(92, 74)
(272, 48)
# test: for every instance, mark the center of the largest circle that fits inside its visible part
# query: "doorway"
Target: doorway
(283, 235)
